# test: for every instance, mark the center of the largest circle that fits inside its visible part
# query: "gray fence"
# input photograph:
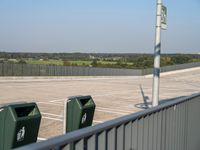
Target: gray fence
(49, 70)
(174, 125)
(172, 68)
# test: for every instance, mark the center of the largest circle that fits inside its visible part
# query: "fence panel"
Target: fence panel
(1, 70)
(43, 70)
(35, 69)
(111, 139)
(52, 70)
(17, 70)
(27, 70)
(8, 69)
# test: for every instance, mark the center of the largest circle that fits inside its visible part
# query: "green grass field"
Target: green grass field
(80, 62)
(44, 62)
(60, 62)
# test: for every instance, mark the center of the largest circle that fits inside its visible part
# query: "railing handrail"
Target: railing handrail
(89, 131)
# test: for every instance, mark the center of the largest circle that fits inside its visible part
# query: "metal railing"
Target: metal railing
(174, 125)
(50, 70)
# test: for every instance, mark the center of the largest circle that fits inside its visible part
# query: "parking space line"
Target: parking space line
(60, 116)
(55, 119)
(61, 120)
(59, 103)
(49, 103)
(57, 100)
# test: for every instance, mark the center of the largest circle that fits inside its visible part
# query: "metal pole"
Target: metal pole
(65, 118)
(156, 72)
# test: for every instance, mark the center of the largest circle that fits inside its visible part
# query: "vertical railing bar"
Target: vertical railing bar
(186, 125)
(111, 139)
(79, 145)
(102, 140)
(179, 142)
(131, 135)
(134, 133)
(174, 127)
(91, 142)
(123, 136)
(184, 128)
(181, 126)
(143, 132)
(177, 127)
(164, 128)
(140, 133)
(170, 128)
(106, 139)
(150, 140)
(182, 146)
(66, 147)
(146, 132)
(159, 134)
(120, 137)
(128, 138)
(155, 130)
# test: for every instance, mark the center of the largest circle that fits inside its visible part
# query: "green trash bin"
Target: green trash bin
(19, 124)
(79, 112)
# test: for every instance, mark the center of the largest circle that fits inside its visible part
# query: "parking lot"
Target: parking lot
(114, 96)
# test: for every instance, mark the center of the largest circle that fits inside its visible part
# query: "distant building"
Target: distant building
(92, 57)
(12, 60)
(117, 58)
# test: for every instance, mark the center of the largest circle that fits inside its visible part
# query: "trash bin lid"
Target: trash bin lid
(74, 97)
(9, 104)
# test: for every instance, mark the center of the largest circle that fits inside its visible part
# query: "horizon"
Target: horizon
(96, 53)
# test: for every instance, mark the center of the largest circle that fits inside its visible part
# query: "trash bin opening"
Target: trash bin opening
(25, 111)
(86, 101)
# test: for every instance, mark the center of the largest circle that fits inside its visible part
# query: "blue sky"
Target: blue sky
(121, 26)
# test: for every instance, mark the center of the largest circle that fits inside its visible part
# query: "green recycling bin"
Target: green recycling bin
(19, 124)
(79, 112)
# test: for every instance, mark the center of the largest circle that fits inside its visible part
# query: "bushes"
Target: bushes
(21, 61)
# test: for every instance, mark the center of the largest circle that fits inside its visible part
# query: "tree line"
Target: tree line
(104, 60)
